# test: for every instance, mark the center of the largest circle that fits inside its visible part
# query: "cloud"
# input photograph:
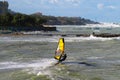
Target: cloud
(73, 2)
(100, 6)
(111, 7)
(60, 2)
(53, 1)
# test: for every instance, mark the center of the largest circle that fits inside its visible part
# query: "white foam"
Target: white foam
(91, 38)
(102, 24)
(98, 38)
(41, 64)
(54, 39)
(38, 67)
(95, 57)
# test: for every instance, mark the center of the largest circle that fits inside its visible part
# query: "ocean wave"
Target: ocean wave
(91, 38)
(54, 39)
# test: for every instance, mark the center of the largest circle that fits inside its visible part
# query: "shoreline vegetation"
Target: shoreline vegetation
(37, 22)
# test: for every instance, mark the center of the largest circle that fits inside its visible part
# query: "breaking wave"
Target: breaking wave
(35, 66)
(91, 38)
(54, 39)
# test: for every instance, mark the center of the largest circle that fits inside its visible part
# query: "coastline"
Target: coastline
(55, 33)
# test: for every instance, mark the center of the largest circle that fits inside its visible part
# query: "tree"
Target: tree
(17, 19)
(5, 20)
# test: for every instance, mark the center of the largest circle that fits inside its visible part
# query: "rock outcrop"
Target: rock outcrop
(3, 7)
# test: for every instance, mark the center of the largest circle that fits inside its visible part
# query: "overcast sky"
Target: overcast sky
(97, 10)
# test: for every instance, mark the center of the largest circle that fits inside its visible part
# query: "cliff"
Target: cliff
(3, 7)
(51, 20)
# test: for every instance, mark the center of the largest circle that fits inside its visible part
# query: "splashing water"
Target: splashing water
(53, 39)
(35, 66)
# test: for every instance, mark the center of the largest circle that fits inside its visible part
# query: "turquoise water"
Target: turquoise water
(30, 57)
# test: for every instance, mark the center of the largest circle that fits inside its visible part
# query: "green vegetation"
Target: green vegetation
(51, 20)
(21, 22)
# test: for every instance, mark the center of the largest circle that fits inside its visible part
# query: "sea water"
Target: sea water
(30, 57)
(90, 28)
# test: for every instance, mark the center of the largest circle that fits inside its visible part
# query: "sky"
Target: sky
(97, 10)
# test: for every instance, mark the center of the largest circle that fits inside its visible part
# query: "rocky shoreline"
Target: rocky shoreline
(106, 35)
(55, 33)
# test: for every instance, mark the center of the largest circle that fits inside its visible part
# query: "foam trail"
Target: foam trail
(37, 67)
(41, 64)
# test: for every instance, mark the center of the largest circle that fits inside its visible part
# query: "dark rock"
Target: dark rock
(106, 35)
(3, 7)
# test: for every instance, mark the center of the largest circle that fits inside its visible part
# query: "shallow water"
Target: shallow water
(30, 57)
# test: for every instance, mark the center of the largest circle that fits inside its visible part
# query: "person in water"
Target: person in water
(62, 56)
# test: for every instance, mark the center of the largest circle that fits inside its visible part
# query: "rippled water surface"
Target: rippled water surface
(31, 58)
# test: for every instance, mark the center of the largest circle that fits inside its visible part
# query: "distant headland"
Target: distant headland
(15, 21)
